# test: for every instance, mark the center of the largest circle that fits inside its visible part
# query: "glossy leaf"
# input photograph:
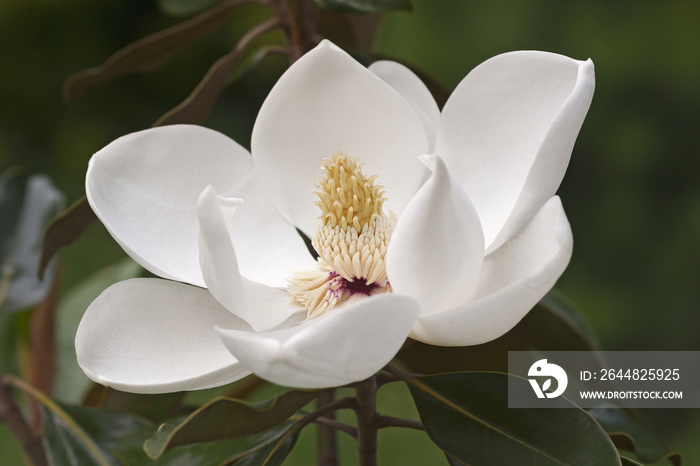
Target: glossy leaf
(267, 448)
(71, 383)
(84, 436)
(27, 205)
(452, 461)
(184, 7)
(149, 53)
(227, 418)
(467, 415)
(65, 229)
(557, 303)
(366, 6)
(552, 325)
(628, 435)
(629, 462)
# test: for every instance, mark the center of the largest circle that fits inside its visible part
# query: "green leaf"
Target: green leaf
(184, 7)
(557, 303)
(227, 418)
(629, 462)
(552, 325)
(154, 407)
(467, 415)
(27, 205)
(273, 452)
(366, 6)
(149, 53)
(267, 448)
(628, 435)
(71, 383)
(81, 436)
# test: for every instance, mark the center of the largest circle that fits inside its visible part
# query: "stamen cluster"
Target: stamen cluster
(346, 196)
(351, 238)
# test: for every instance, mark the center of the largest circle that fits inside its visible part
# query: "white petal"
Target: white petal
(220, 266)
(324, 103)
(507, 133)
(514, 279)
(267, 246)
(148, 335)
(144, 187)
(437, 249)
(414, 91)
(345, 345)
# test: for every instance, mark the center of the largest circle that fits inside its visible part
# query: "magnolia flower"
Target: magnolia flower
(439, 226)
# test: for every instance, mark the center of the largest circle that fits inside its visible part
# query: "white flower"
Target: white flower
(467, 237)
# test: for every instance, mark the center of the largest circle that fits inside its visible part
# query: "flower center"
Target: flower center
(351, 238)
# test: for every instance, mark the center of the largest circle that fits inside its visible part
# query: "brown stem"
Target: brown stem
(27, 438)
(367, 417)
(350, 430)
(42, 338)
(384, 378)
(396, 372)
(343, 403)
(327, 448)
(300, 25)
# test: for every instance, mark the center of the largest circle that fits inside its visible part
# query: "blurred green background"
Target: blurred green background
(631, 192)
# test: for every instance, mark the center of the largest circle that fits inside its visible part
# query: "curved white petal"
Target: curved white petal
(507, 132)
(437, 249)
(148, 335)
(219, 265)
(324, 103)
(267, 246)
(144, 187)
(514, 279)
(347, 344)
(414, 91)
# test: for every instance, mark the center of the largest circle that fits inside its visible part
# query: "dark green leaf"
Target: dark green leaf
(266, 448)
(629, 462)
(227, 418)
(155, 407)
(273, 452)
(149, 53)
(366, 6)
(81, 436)
(467, 415)
(557, 303)
(452, 461)
(549, 326)
(65, 229)
(27, 205)
(628, 435)
(184, 7)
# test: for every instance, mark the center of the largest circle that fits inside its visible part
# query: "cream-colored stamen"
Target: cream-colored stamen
(351, 238)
